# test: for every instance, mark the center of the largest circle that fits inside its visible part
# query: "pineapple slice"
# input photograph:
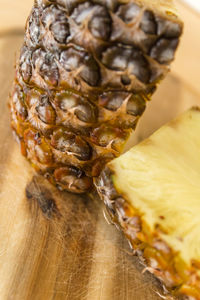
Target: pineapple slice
(153, 193)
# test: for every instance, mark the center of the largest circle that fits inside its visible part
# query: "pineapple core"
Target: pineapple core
(161, 179)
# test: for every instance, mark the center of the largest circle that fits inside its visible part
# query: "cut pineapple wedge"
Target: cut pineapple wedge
(153, 193)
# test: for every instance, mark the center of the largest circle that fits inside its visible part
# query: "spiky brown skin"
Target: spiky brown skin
(85, 73)
(162, 261)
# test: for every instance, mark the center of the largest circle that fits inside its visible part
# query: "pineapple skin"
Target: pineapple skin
(85, 73)
(177, 278)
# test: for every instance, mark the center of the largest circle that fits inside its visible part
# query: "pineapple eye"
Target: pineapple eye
(18, 99)
(21, 110)
(82, 13)
(72, 179)
(60, 30)
(55, 20)
(37, 147)
(43, 153)
(104, 136)
(72, 59)
(67, 100)
(90, 72)
(45, 111)
(139, 66)
(112, 100)
(116, 58)
(100, 25)
(45, 63)
(69, 5)
(34, 27)
(130, 60)
(168, 29)
(128, 12)
(95, 18)
(70, 143)
(136, 106)
(87, 112)
(164, 50)
(25, 64)
(148, 24)
(67, 103)
(33, 98)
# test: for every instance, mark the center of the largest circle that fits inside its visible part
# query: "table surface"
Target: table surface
(74, 253)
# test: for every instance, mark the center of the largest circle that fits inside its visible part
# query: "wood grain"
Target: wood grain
(68, 252)
(57, 245)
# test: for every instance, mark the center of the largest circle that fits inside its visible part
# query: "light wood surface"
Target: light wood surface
(56, 245)
(13, 14)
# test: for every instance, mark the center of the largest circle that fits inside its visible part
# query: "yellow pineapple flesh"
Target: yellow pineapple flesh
(153, 192)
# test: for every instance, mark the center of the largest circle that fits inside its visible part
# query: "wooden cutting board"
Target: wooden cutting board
(57, 245)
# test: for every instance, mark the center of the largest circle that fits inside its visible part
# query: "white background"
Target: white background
(194, 3)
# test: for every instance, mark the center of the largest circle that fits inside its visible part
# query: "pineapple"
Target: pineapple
(152, 192)
(85, 73)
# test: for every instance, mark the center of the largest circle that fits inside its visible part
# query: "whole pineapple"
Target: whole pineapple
(85, 73)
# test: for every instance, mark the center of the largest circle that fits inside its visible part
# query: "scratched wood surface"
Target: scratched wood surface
(57, 245)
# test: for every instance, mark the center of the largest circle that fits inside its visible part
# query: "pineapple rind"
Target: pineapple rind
(108, 57)
(175, 262)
